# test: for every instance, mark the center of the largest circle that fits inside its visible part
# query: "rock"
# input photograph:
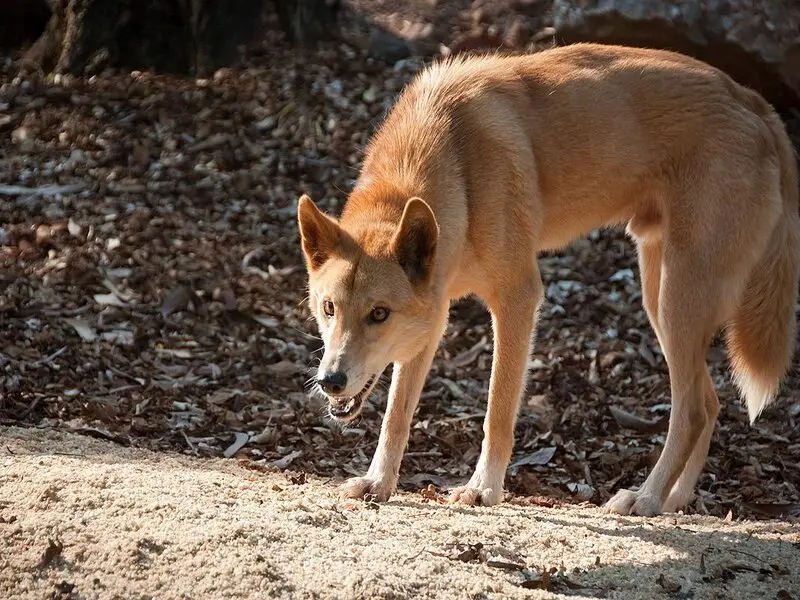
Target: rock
(372, 37)
(756, 43)
(386, 46)
(24, 139)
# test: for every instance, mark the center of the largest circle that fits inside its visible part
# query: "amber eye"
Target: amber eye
(328, 307)
(379, 314)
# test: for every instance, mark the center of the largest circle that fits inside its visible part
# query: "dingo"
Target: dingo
(486, 161)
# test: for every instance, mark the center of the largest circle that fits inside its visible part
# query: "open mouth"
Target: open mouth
(345, 409)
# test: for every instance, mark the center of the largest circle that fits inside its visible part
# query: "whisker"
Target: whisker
(308, 335)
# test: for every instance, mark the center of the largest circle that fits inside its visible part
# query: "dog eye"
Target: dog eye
(328, 307)
(379, 314)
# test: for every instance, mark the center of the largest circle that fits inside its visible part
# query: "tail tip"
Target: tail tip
(758, 394)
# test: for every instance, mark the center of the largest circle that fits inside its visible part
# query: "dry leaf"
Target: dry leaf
(53, 551)
(109, 300)
(82, 328)
(540, 457)
(629, 421)
(283, 463)
(238, 444)
(176, 299)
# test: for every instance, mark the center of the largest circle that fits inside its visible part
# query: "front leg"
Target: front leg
(407, 381)
(514, 318)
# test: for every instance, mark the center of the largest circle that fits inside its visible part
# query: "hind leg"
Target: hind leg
(650, 257)
(683, 490)
(685, 317)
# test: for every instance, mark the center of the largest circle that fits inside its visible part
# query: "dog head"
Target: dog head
(370, 292)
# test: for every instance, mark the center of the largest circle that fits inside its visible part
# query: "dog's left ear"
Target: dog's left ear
(320, 234)
(415, 242)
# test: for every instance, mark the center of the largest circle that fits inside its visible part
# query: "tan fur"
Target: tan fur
(484, 162)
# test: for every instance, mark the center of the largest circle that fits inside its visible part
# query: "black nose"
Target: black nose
(333, 383)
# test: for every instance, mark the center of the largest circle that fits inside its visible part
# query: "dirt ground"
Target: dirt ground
(130, 523)
(155, 346)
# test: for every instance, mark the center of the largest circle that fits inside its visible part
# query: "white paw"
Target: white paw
(677, 500)
(480, 491)
(627, 502)
(367, 488)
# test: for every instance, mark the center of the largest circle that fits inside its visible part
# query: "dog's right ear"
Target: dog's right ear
(319, 233)
(415, 241)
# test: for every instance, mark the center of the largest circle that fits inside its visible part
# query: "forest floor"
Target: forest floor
(152, 295)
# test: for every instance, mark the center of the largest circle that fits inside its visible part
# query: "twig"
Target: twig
(121, 373)
(743, 553)
(43, 190)
(189, 442)
(48, 359)
(410, 558)
(67, 312)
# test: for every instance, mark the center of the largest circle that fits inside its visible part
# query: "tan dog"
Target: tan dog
(486, 161)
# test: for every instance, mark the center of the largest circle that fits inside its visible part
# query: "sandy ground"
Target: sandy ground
(135, 524)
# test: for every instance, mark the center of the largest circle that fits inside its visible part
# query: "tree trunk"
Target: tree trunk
(306, 22)
(21, 22)
(176, 36)
(193, 37)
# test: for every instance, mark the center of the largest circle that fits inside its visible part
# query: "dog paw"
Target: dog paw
(627, 502)
(473, 496)
(677, 500)
(367, 488)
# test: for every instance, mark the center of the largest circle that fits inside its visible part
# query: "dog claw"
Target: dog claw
(361, 488)
(628, 502)
(472, 496)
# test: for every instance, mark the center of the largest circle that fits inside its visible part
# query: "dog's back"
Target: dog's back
(623, 115)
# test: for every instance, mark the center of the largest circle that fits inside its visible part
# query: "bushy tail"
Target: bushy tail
(761, 335)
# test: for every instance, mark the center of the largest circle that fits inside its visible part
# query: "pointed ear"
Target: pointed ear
(319, 233)
(415, 242)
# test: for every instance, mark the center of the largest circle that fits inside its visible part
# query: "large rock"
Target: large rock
(757, 42)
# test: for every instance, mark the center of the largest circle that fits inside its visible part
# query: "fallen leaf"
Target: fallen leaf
(582, 491)
(73, 228)
(53, 551)
(470, 553)
(114, 289)
(176, 299)
(109, 300)
(121, 337)
(541, 457)
(238, 444)
(222, 396)
(283, 463)
(82, 328)
(469, 356)
(629, 421)
(532, 580)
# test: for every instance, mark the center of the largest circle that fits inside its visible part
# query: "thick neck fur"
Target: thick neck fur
(401, 159)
